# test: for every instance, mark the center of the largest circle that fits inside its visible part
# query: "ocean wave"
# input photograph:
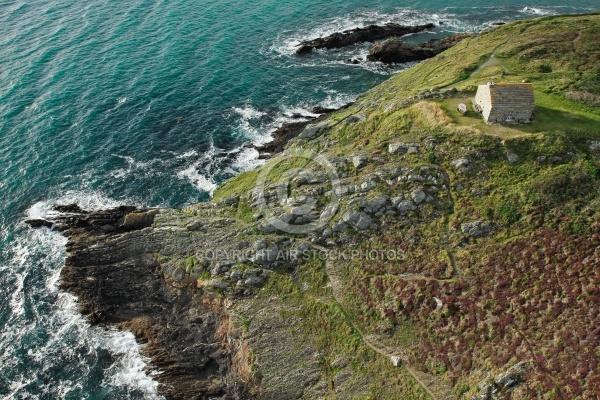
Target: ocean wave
(336, 100)
(198, 179)
(287, 43)
(251, 124)
(247, 160)
(47, 348)
(130, 370)
(284, 46)
(203, 181)
(187, 154)
(247, 112)
(257, 126)
(540, 10)
(140, 168)
(87, 200)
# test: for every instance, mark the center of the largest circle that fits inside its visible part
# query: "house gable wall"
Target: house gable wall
(505, 102)
(483, 101)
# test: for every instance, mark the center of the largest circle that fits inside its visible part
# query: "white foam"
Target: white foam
(452, 18)
(187, 154)
(33, 261)
(247, 125)
(289, 112)
(200, 172)
(21, 254)
(289, 42)
(144, 168)
(335, 99)
(199, 180)
(538, 11)
(247, 112)
(247, 160)
(260, 132)
(286, 44)
(131, 368)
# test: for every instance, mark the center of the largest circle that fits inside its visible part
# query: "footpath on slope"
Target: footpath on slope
(433, 389)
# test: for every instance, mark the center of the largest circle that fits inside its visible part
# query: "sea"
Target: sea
(153, 103)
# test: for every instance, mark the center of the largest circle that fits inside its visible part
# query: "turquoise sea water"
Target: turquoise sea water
(150, 103)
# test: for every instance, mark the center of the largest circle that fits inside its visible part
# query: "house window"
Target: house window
(509, 117)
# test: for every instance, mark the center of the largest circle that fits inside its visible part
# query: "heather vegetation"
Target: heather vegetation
(498, 227)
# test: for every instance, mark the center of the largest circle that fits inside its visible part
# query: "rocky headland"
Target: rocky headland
(395, 50)
(393, 249)
(369, 33)
(392, 49)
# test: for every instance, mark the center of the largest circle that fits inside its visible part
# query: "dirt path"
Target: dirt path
(493, 61)
(576, 41)
(371, 340)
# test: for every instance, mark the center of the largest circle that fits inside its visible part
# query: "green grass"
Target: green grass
(551, 114)
(314, 317)
(240, 184)
(558, 55)
(522, 48)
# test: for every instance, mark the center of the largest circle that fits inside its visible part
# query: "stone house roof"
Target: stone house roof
(512, 95)
(505, 102)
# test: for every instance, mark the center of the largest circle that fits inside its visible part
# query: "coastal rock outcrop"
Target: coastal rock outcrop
(369, 33)
(289, 130)
(111, 266)
(395, 50)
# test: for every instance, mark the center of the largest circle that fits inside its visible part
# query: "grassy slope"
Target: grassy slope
(528, 293)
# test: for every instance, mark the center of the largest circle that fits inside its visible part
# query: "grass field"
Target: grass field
(551, 114)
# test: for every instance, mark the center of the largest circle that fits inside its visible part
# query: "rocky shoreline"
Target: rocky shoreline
(392, 49)
(369, 33)
(414, 270)
(289, 130)
(111, 267)
(395, 50)
(124, 267)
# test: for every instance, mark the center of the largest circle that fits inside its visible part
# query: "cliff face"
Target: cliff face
(112, 267)
(398, 249)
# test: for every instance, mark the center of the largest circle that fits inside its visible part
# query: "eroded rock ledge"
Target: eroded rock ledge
(369, 33)
(111, 267)
(394, 50)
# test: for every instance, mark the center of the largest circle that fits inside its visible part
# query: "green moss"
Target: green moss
(238, 185)
(189, 264)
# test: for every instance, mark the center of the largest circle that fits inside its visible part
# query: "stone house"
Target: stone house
(505, 103)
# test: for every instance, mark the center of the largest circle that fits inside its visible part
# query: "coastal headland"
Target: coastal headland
(393, 249)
